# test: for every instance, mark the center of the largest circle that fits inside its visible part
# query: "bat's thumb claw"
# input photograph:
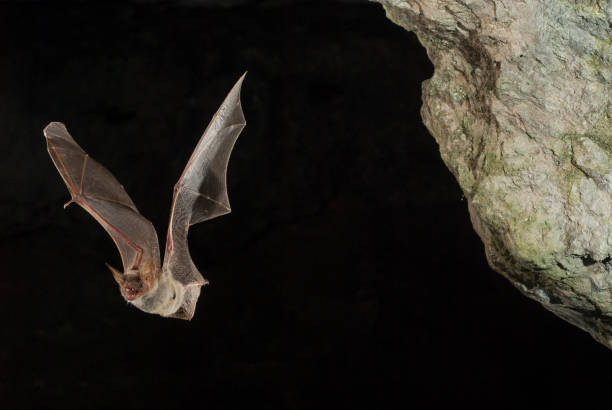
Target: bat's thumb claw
(68, 203)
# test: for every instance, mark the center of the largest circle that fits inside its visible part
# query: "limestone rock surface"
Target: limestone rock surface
(520, 106)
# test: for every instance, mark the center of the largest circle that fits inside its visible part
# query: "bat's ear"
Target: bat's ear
(119, 277)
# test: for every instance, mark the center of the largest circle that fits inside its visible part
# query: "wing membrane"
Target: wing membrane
(97, 191)
(201, 192)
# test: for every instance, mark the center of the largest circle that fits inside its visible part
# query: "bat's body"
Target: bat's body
(171, 289)
(167, 296)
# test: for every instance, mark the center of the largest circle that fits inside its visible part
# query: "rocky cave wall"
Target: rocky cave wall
(520, 106)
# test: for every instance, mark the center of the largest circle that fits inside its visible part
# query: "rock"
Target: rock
(520, 106)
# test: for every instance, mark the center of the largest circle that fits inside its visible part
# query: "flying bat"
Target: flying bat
(171, 289)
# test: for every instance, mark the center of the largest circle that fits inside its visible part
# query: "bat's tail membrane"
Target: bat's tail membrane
(187, 310)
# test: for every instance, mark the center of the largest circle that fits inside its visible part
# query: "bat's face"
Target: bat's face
(133, 287)
(135, 283)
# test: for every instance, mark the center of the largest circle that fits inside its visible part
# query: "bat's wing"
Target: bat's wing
(97, 191)
(201, 192)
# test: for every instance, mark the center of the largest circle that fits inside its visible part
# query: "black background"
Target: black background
(348, 274)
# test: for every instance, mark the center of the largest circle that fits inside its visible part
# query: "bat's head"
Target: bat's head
(134, 283)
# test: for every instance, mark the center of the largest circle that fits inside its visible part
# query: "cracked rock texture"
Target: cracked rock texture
(520, 106)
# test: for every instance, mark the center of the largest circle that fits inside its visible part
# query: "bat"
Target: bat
(171, 289)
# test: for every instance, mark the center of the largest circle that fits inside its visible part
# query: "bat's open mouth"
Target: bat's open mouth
(131, 293)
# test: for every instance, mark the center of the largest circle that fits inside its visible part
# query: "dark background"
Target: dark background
(348, 274)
